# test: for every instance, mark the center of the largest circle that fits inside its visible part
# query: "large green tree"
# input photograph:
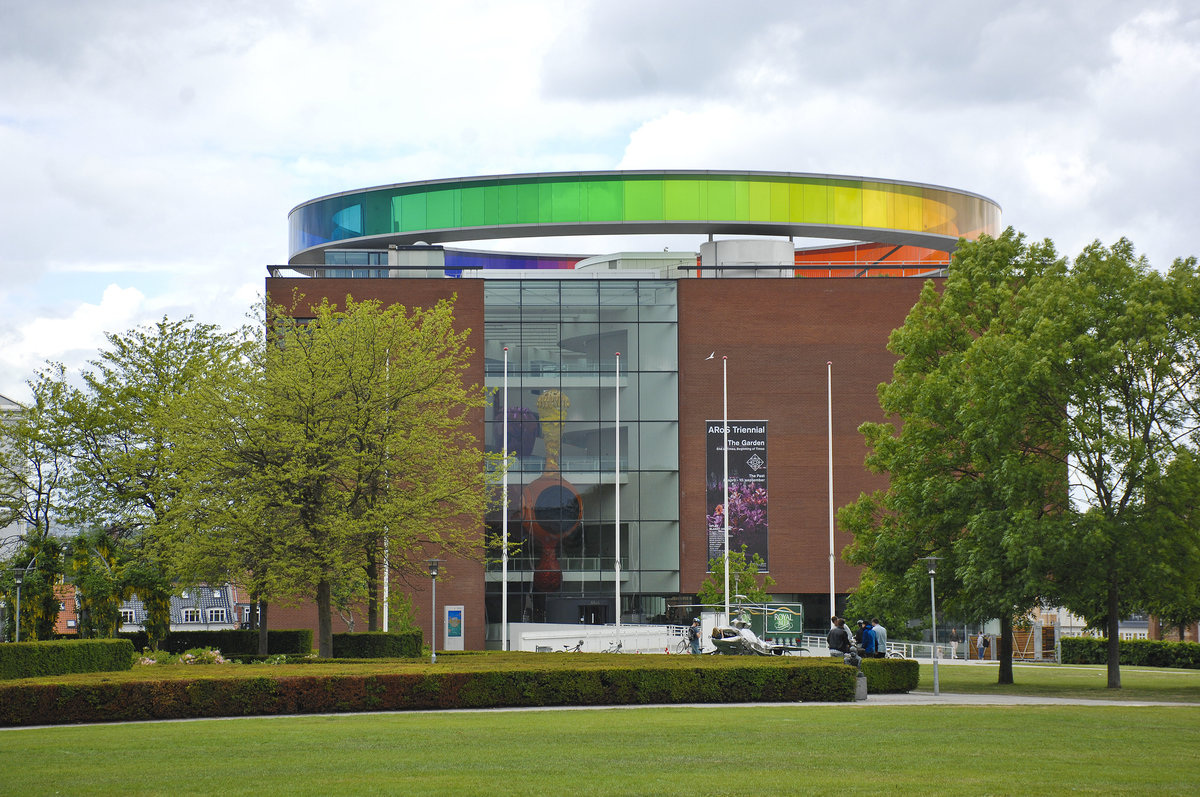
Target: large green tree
(127, 465)
(967, 484)
(1110, 357)
(1048, 423)
(347, 438)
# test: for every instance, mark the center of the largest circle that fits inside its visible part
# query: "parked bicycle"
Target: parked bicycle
(613, 648)
(577, 648)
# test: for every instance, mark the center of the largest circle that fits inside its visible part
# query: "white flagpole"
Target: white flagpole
(829, 389)
(617, 490)
(725, 452)
(504, 518)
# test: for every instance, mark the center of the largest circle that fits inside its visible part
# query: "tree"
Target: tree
(346, 435)
(743, 580)
(34, 469)
(970, 482)
(127, 466)
(1110, 357)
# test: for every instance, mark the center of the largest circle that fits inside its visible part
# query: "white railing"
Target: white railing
(546, 637)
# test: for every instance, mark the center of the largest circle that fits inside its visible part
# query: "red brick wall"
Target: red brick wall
(778, 335)
(464, 583)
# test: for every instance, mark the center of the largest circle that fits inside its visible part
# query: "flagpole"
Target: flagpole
(617, 492)
(504, 518)
(829, 389)
(725, 452)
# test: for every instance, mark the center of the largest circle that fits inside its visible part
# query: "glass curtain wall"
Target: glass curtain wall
(563, 337)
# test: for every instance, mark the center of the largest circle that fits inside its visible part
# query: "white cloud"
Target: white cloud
(72, 339)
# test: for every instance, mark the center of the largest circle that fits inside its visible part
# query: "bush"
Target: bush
(1132, 652)
(891, 675)
(377, 645)
(231, 642)
(526, 684)
(32, 659)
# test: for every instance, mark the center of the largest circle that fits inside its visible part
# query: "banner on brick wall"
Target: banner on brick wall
(747, 488)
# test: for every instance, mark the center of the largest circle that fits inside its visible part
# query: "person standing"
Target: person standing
(953, 643)
(868, 640)
(694, 636)
(980, 644)
(880, 638)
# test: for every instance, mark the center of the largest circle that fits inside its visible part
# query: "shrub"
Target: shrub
(377, 645)
(31, 659)
(891, 675)
(523, 685)
(1133, 652)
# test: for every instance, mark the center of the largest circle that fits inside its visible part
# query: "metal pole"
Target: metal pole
(829, 398)
(933, 610)
(617, 494)
(504, 520)
(18, 617)
(725, 453)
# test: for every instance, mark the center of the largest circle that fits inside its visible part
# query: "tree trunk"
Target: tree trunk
(324, 620)
(262, 628)
(1006, 650)
(1114, 635)
(372, 589)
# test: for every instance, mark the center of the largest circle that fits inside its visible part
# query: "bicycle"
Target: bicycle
(613, 648)
(577, 648)
(684, 646)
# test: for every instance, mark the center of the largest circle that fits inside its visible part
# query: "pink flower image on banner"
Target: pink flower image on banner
(747, 488)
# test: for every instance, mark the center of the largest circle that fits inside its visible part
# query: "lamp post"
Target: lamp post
(617, 492)
(932, 561)
(433, 574)
(725, 457)
(829, 402)
(17, 577)
(504, 520)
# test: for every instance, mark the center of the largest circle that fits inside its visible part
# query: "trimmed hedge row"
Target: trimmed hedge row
(1133, 652)
(891, 675)
(377, 645)
(33, 659)
(231, 642)
(224, 697)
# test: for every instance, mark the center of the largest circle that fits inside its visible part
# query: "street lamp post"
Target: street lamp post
(725, 458)
(17, 577)
(433, 574)
(932, 561)
(504, 519)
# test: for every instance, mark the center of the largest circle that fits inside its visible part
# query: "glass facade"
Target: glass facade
(563, 337)
(499, 207)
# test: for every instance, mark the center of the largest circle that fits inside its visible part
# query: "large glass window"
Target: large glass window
(562, 338)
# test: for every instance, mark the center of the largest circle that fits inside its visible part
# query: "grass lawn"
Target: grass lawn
(659, 751)
(1068, 680)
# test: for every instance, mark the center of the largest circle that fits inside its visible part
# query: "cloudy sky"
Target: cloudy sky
(150, 151)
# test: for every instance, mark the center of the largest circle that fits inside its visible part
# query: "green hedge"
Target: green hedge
(231, 642)
(32, 659)
(377, 645)
(891, 675)
(1133, 652)
(307, 694)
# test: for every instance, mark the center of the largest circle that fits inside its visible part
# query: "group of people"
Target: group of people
(870, 641)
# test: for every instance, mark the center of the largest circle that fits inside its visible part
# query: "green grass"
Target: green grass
(1080, 681)
(660, 751)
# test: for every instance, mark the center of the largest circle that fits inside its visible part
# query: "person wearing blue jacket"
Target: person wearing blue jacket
(868, 639)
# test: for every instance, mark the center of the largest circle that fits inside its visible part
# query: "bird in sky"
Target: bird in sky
(709, 357)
